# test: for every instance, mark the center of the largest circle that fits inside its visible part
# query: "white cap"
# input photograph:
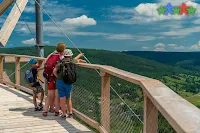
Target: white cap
(67, 52)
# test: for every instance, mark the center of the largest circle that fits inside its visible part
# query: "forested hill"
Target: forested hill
(123, 61)
(170, 58)
(187, 60)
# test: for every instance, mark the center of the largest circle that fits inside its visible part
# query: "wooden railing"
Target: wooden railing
(181, 115)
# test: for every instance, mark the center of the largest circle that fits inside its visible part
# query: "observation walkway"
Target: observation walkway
(107, 99)
(17, 116)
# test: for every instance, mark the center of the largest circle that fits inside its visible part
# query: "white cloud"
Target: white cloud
(195, 46)
(190, 3)
(175, 47)
(119, 9)
(147, 12)
(145, 48)
(182, 32)
(30, 41)
(145, 38)
(46, 42)
(177, 2)
(23, 30)
(171, 25)
(29, 9)
(57, 10)
(171, 45)
(168, 47)
(119, 37)
(146, 9)
(159, 45)
(50, 30)
(138, 38)
(79, 33)
(159, 49)
(80, 21)
(197, 21)
(180, 48)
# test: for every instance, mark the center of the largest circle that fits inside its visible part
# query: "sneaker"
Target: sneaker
(36, 109)
(70, 116)
(40, 105)
(63, 116)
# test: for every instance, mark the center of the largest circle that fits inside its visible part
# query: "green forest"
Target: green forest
(87, 90)
(185, 84)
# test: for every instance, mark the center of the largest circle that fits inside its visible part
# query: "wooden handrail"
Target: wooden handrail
(22, 56)
(182, 115)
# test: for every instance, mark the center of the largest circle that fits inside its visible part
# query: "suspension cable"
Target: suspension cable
(29, 29)
(86, 59)
(27, 26)
(62, 30)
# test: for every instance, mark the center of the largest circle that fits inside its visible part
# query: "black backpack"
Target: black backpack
(68, 70)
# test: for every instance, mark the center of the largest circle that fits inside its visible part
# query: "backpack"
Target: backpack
(28, 77)
(68, 70)
(49, 65)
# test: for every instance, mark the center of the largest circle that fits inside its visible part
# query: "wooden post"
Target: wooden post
(1, 67)
(150, 116)
(105, 101)
(17, 70)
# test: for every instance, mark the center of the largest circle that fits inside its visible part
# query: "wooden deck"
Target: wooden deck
(17, 116)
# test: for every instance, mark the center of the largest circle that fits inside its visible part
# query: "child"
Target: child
(64, 89)
(37, 88)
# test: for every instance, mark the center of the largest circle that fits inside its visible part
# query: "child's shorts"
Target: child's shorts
(37, 88)
(64, 90)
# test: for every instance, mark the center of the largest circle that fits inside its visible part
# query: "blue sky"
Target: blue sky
(112, 25)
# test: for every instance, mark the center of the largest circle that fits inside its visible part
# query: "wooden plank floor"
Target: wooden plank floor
(17, 116)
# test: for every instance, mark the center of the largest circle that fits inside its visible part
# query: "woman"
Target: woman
(52, 97)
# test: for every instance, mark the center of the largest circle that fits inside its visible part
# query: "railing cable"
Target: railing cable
(19, 69)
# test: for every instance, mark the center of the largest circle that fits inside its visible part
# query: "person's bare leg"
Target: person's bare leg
(69, 105)
(46, 106)
(34, 100)
(62, 105)
(67, 110)
(51, 99)
(41, 97)
(57, 103)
